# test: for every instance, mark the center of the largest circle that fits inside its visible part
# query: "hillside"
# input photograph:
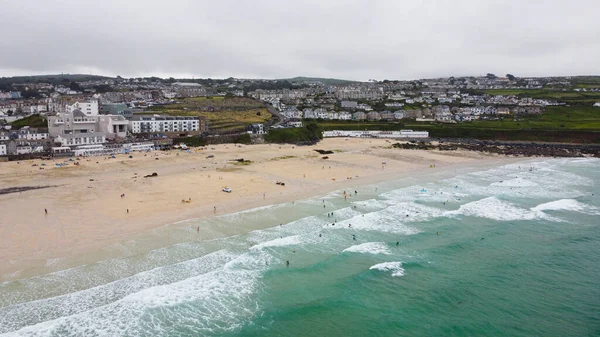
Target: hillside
(53, 79)
(326, 81)
(224, 114)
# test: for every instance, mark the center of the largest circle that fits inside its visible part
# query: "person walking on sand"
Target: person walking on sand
(128, 211)
(214, 209)
(45, 210)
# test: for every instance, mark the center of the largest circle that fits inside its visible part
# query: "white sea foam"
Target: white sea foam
(516, 182)
(304, 225)
(377, 222)
(280, 242)
(345, 213)
(214, 302)
(547, 179)
(416, 212)
(495, 209)
(565, 205)
(394, 267)
(17, 316)
(369, 248)
(370, 204)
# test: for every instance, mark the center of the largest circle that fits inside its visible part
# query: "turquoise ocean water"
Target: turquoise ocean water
(508, 251)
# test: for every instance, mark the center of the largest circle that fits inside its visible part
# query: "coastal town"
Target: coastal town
(63, 115)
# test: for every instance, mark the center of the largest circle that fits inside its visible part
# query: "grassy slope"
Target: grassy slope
(35, 121)
(232, 113)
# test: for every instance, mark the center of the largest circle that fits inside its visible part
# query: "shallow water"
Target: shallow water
(506, 251)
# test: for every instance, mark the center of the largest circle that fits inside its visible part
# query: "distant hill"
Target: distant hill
(327, 81)
(53, 79)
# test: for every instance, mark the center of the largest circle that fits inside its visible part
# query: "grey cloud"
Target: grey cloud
(273, 39)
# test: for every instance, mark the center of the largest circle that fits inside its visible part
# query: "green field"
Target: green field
(554, 118)
(34, 121)
(579, 124)
(567, 96)
(224, 114)
(227, 120)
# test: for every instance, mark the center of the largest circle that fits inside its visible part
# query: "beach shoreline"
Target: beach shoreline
(102, 201)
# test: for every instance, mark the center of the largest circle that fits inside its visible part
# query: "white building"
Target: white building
(83, 121)
(297, 124)
(159, 124)
(321, 113)
(3, 150)
(333, 115)
(186, 89)
(377, 134)
(256, 128)
(292, 113)
(345, 116)
(32, 134)
(75, 139)
(114, 126)
(24, 149)
(87, 108)
(309, 114)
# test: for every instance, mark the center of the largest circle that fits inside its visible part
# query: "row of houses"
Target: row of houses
(10, 95)
(376, 134)
(439, 113)
(81, 124)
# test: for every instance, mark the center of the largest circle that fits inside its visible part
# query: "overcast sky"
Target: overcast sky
(349, 39)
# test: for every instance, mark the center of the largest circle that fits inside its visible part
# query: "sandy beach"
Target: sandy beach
(104, 200)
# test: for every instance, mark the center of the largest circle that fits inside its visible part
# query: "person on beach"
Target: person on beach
(198, 229)
(45, 210)
(287, 263)
(128, 211)
(215, 209)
